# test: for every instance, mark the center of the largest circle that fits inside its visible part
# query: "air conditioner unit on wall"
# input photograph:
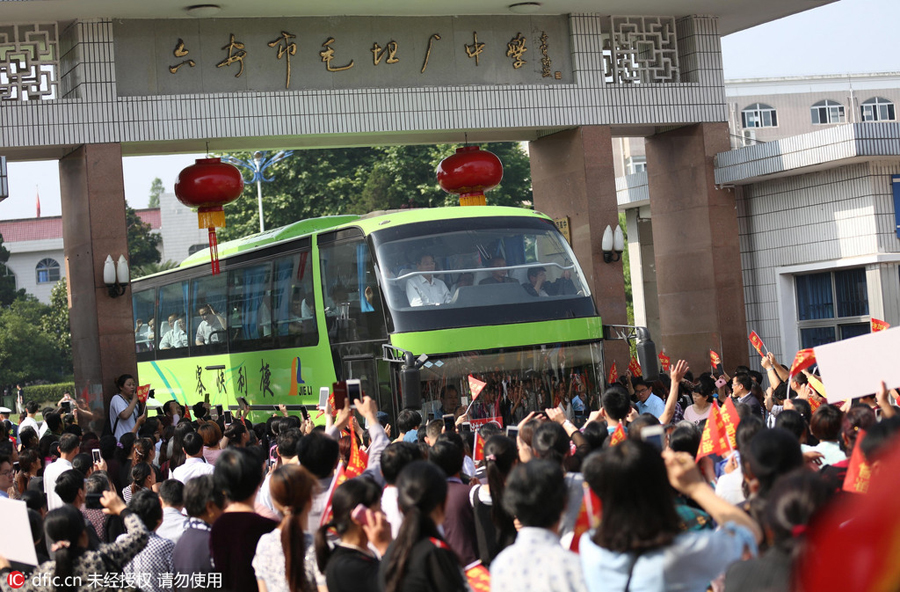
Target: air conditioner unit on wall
(749, 135)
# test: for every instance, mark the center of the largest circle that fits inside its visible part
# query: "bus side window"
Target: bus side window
(208, 312)
(249, 308)
(143, 303)
(173, 305)
(293, 302)
(354, 308)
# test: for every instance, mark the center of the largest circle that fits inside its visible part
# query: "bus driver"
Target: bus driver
(425, 288)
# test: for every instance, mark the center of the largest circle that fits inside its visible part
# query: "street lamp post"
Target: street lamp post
(257, 167)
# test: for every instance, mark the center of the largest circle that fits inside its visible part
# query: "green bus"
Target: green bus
(491, 292)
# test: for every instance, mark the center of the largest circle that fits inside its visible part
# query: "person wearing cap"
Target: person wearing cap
(4, 416)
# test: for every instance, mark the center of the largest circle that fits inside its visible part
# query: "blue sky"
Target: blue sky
(850, 36)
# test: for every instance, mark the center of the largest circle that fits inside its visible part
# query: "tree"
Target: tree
(151, 268)
(8, 292)
(27, 353)
(316, 183)
(55, 324)
(156, 189)
(143, 243)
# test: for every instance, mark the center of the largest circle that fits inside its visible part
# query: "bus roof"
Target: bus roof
(367, 223)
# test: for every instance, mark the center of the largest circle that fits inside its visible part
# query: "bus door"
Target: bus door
(374, 378)
(354, 314)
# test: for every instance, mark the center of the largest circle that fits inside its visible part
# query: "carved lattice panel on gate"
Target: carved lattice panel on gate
(640, 50)
(29, 62)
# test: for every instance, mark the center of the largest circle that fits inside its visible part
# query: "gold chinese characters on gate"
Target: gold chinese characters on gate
(286, 46)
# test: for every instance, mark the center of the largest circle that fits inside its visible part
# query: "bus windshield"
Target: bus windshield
(479, 271)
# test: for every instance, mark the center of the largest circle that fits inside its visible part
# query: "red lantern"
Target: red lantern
(207, 185)
(470, 172)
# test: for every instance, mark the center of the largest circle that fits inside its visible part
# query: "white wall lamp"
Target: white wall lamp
(116, 276)
(612, 244)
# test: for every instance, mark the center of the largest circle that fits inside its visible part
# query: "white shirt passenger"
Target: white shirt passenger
(51, 475)
(192, 467)
(420, 291)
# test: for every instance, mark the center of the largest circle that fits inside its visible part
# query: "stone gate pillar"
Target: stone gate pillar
(93, 213)
(697, 250)
(572, 175)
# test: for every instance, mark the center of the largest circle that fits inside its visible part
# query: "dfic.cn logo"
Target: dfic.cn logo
(15, 579)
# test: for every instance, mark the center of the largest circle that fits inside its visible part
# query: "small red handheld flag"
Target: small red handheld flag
(618, 436)
(665, 362)
(731, 419)
(635, 367)
(859, 472)
(714, 359)
(715, 435)
(757, 343)
(475, 387)
(613, 374)
(803, 360)
(478, 448)
(879, 325)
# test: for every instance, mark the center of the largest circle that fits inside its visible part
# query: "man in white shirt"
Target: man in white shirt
(68, 448)
(426, 289)
(211, 329)
(176, 337)
(171, 497)
(194, 464)
(31, 409)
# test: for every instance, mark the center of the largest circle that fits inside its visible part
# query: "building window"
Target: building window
(47, 271)
(759, 115)
(199, 247)
(827, 111)
(636, 164)
(832, 306)
(877, 109)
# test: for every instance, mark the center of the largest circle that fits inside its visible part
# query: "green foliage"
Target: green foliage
(143, 243)
(626, 269)
(8, 291)
(151, 268)
(55, 324)
(315, 183)
(49, 393)
(156, 189)
(27, 353)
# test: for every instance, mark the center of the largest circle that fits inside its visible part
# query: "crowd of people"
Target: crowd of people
(185, 501)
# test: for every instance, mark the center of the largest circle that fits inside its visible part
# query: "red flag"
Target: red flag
(479, 578)
(877, 324)
(475, 387)
(714, 359)
(850, 544)
(732, 420)
(635, 367)
(803, 360)
(358, 460)
(814, 403)
(613, 374)
(339, 477)
(618, 436)
(38, 201)
(757, 343)
(715, 437)
(665, 362)
(478, 448)
(858, 470)
(588, 516)
(143, 392)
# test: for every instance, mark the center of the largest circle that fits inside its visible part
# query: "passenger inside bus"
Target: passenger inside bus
(425, 289)
(537, 276)
(498, 276)
(212, 327)
(175, 337)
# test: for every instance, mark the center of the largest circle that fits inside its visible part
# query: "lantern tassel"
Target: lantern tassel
(214, 250)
